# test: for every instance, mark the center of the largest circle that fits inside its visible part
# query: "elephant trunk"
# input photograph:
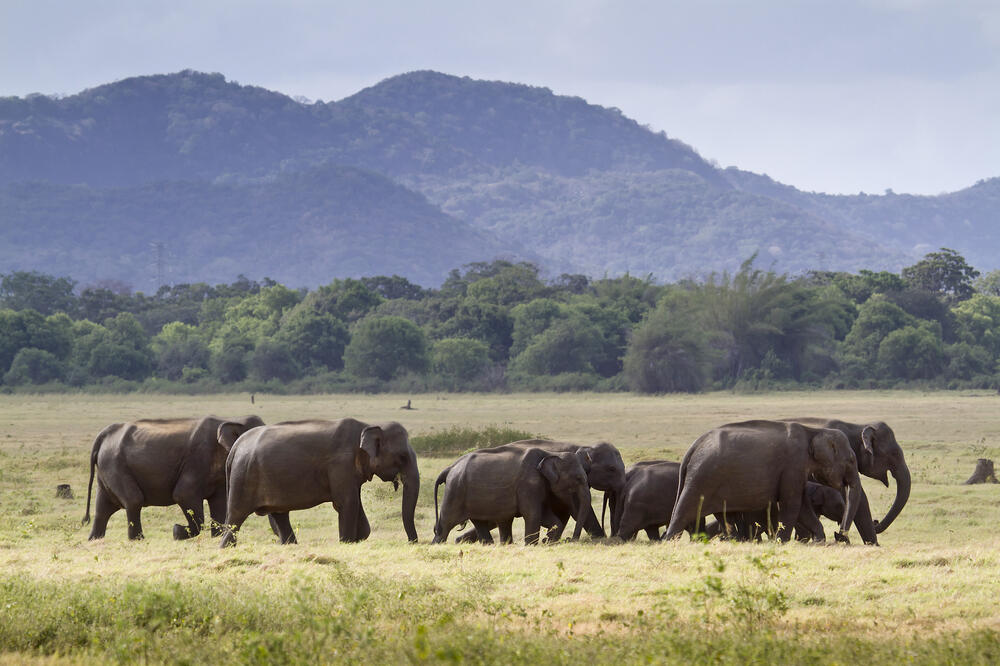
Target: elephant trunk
(853, 502)
(411, 490)
(902, 476)
(582, 510)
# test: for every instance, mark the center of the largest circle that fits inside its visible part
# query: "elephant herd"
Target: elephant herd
(739, 481)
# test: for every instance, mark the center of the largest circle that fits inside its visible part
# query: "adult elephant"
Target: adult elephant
(605, 469)
(754, 464)
(878, 453)
(297, 465)
(159, 463)
(494, 486)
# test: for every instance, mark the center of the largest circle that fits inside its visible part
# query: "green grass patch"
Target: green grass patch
(455, 440)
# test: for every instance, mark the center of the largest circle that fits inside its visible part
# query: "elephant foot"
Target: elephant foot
(182, 532)
(840, 537)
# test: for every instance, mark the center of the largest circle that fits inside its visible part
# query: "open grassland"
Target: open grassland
(927, 595)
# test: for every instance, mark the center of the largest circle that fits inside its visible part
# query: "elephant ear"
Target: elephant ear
(362, 464)
(822, 449)
(228, 433)
(371, 441)
(547, 466)
(867, 439)
(585, 455)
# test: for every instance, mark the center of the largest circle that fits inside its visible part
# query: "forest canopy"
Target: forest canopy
(499, 325)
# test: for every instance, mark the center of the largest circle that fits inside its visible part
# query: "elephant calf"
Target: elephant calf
(647, 499)
(494, 486)
(159, 463)
(818, 500)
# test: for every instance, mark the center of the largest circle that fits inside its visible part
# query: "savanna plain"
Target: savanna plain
(928, 594)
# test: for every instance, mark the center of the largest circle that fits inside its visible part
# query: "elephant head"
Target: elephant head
(229, 431)
(833, 463)
(880, 455)
(605, 471)
(568, 482)
(391, 458)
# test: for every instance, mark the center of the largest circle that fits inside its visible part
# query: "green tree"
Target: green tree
(384, 347)
(316, 340)
(35, 366)
(179, 346)
(944, 272)
(912, 352)
(46, 294)
(272, 359)
(877, 318)
(459, 359)
(567, 345)
(978, 322)
(347, 300)
(669, 352)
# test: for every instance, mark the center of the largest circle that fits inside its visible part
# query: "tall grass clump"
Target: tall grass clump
(459, 439)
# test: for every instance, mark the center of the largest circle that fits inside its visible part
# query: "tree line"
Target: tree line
(500, 326)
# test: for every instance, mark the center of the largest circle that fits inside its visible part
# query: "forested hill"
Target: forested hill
(583, 187)
(300, 228)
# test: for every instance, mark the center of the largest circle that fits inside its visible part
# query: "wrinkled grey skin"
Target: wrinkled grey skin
(878, 453)
(297, 465)
(647, 500)
(754, 464)
(819, 500)
(159, 463)
(494, 486)
(605, 471)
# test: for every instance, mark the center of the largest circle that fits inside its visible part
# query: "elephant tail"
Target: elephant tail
(95, 449)
(441, 479)
(604, 505)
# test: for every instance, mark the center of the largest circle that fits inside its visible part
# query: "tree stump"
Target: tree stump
(63, 491)
(984, 472)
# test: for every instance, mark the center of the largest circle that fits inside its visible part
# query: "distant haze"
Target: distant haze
(834, 97)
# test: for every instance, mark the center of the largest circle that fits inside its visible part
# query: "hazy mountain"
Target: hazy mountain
(302, 229)
(194, 158)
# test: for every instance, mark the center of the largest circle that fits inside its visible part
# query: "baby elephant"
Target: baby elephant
(499, 484)
(817, 500)
(647, 499)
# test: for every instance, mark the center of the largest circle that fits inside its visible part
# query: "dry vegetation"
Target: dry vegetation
(927, 594)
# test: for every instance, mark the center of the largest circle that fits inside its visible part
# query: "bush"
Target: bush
(35, 366)
(460, 359)
(384, 347)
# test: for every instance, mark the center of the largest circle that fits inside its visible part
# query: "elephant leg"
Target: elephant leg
(506, 528)
(532, 525)
(217, 511)
(350, 513)
(593, 525)
(789, 508)
(134, 522)
(194, 511)
(483, 531)
(809, 525)
(554, 524)
(283, 527)
(234, 520)
(686, 513)
(364, 528)
(471, 535)
(627, 526)
(863, 521)
(653, 532)
(104, 508)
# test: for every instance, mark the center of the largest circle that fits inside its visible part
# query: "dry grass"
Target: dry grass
(934, 578)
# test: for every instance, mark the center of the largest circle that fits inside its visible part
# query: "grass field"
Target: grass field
(927, 595)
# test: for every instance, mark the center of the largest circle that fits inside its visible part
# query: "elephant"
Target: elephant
(753, 464)
(877, 451)
(493, 486)
(605, 471)
(159, 463)
(647, 499)
(297, 465)
(817, 500)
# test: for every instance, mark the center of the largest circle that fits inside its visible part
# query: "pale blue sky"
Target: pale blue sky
(846, 96)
